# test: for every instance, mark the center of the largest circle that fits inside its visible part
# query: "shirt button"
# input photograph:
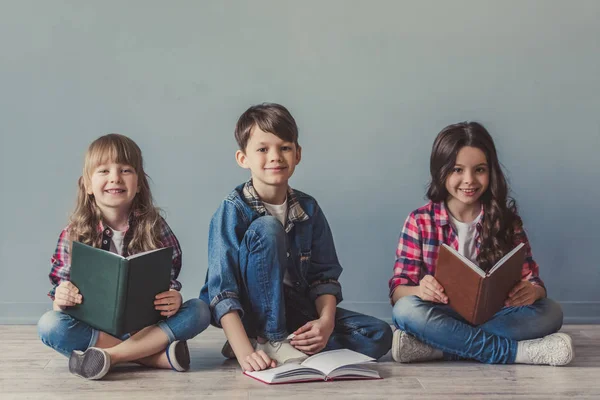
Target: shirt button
(107, 231)
(105, 241)
(287, 254)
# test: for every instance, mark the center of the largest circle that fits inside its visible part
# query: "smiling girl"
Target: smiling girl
(470, 210)
(115, 212)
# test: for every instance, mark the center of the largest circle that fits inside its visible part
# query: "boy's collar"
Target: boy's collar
(295, 213)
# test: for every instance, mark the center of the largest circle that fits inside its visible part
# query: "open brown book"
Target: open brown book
(473, 293)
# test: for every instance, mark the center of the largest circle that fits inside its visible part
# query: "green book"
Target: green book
(118, 292)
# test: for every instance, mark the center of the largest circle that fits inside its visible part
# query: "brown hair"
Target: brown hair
(500, 219)
(269, 117)
(145, 217)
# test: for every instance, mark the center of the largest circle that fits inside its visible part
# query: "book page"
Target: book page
(286, 372)
(505, 258)
(352, 371)
(143, 254)
(466, 261)
(329, 361)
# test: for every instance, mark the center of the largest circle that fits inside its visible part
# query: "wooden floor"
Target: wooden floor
(28, 369)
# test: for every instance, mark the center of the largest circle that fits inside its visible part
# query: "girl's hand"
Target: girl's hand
(256, 361)
(168, 302)
(524, 293)
(312, 337)
(431, 290)
(66, 295)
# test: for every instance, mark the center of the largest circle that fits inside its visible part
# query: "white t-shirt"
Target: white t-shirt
(279, 211)
(466, 232)
(116, 244)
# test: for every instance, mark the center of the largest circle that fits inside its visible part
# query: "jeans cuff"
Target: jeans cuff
(275, 336)
(94, 338)
(225, 306)
(165, 328)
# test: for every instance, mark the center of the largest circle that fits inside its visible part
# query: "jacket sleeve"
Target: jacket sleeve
(324, 269)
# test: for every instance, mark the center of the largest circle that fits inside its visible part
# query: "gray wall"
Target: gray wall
(370, 83)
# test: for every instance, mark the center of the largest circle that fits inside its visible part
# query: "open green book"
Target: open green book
(341, 364)
(118, 292)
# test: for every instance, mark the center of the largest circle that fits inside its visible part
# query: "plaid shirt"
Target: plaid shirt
(61, 260)
(295, 213)
(423, 233)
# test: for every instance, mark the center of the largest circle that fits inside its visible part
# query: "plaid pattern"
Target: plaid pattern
(295, 213)
(424, 232)
(61, 260)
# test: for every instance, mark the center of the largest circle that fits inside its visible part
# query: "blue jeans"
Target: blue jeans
(64, 333)
(273, 309)
(494, 342)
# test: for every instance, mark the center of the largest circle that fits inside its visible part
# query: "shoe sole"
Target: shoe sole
(396, 345)
(569, 341)
(184, 357)
(84, 364)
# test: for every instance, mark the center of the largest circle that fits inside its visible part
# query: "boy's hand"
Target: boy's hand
(312, 337)
(524, 293)
(431, 290)
(66, 295)
(256, 361)
(168, 302)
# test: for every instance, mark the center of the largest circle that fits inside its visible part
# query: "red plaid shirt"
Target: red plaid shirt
(61, 260)
(424, 232)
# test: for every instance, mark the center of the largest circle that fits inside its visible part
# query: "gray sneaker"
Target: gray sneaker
(555, 349)
(282, 352)
(407, 349)
(93, 363)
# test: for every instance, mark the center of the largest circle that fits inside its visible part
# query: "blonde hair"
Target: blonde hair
(144, 216)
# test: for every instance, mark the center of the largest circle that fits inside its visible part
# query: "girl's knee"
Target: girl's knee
(405, 309)
(551, 313)
(200, 314)
(50, 325)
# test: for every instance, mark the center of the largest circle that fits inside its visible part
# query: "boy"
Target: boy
(273, 269)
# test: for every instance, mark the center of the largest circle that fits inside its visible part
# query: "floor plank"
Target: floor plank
(30, 370)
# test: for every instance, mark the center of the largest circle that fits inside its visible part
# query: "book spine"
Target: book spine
(121, 300)
(479, 302)
(483, 309)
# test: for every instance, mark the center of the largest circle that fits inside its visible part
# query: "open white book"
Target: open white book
(325, 366)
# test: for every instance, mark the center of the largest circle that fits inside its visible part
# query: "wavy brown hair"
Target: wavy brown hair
(145, 219)
(501, 224)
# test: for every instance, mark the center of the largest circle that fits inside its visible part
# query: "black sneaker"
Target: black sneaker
(227, 351)
(178, 355)
(93, 363)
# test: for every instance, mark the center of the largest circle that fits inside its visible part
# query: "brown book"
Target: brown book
(473, 293)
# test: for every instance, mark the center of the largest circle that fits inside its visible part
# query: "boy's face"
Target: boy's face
(271, 160)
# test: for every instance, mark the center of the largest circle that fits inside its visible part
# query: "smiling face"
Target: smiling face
(270, 159)
(468, 180)
(113, 185)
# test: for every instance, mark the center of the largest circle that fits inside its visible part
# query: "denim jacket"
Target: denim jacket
(313, 261)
